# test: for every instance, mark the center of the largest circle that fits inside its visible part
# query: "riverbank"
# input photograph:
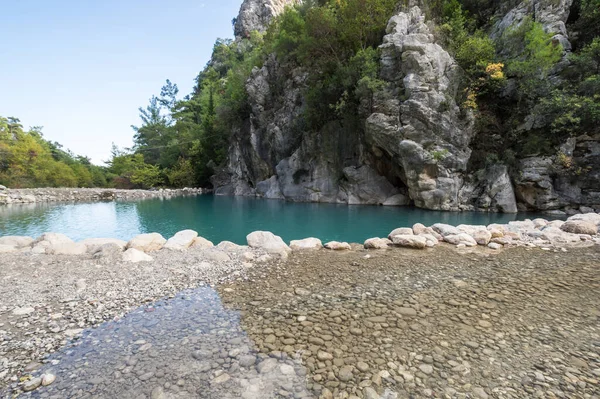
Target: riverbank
(349, 324)
(52, 288)
(34, 195)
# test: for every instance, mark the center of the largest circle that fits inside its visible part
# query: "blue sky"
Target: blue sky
(81, 68)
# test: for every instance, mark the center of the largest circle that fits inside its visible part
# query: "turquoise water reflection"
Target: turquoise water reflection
(225, 218)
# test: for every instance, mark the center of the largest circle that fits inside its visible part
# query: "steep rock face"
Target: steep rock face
(552, 14)
(255, 15)
(570, 179)
(426, 134)
(415, 146)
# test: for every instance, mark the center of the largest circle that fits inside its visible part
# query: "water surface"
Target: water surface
(186, 347)
(226, 218)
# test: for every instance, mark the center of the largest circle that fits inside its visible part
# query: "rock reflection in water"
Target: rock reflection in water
(185, 347)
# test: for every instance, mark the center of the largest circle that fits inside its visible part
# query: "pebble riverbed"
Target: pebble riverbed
(398, 323)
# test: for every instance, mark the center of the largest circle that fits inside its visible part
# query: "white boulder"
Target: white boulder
(5, 249)
(479, 233)
(94, 244)
(432, 240)
(268, 242)
(587, 217)
(229, 246)
(147, 242)
(68, 249)
(377, 243)
(409, 241)
(402, 231)
(306, 244)
(181, 240)
(201, 242)
(579, 227)
(445, 229)
(16, 241)
(134, 255)
(461, 239)
(338, 246)
(53, 239)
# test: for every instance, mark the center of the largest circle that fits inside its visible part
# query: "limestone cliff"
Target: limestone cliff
(255, 15)
(415, 145)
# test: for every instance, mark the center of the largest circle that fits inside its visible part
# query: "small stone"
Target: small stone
(48, 379)
(480, 393)
(345, 373)
(409, 312)
(485, 324)
(286, 369)
(321, 355)
(221, 378)
(362, 366)
(370, 393)
(301, 291)
(426, 368)
(32, 384)
(158, 393)
(247, 360)
(23, 311)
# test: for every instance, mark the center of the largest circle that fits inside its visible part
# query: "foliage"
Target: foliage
(28, 160)
(574, 108)
(531, 55)
(587, 23)
(336, 42)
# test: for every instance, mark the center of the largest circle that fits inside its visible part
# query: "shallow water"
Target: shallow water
(188, 346)
(226, 218)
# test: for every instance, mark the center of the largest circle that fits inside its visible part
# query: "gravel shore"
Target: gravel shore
(392, 323)
(45, 300)
(33, 195)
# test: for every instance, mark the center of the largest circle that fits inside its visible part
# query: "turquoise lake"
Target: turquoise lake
(226, 218)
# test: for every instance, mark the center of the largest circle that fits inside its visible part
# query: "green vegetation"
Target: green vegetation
(526, 95)
(512, 85)
(28, 160)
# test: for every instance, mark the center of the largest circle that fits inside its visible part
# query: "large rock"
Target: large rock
(68, 249)
(133, 255)
(255, 15)
(401, 231)
(5, 249)
(556, 236)
(268, 242)
(426, 132)
(586, 217)
(363, 185)
(201, 242)
(306, 244)
(94, 244)
(53, 239)
(338, 246)
(147, 242)
(533, 185)
(461, 238)
(445, 229)
(377, 243)
(409, 241)
(109, 250)
(580, 227)
(479, 233)
(493, 192)
(181, 240)
(16, 241)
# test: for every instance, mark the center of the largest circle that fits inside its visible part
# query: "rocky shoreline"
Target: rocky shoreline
(53, 288)
(33, 195)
